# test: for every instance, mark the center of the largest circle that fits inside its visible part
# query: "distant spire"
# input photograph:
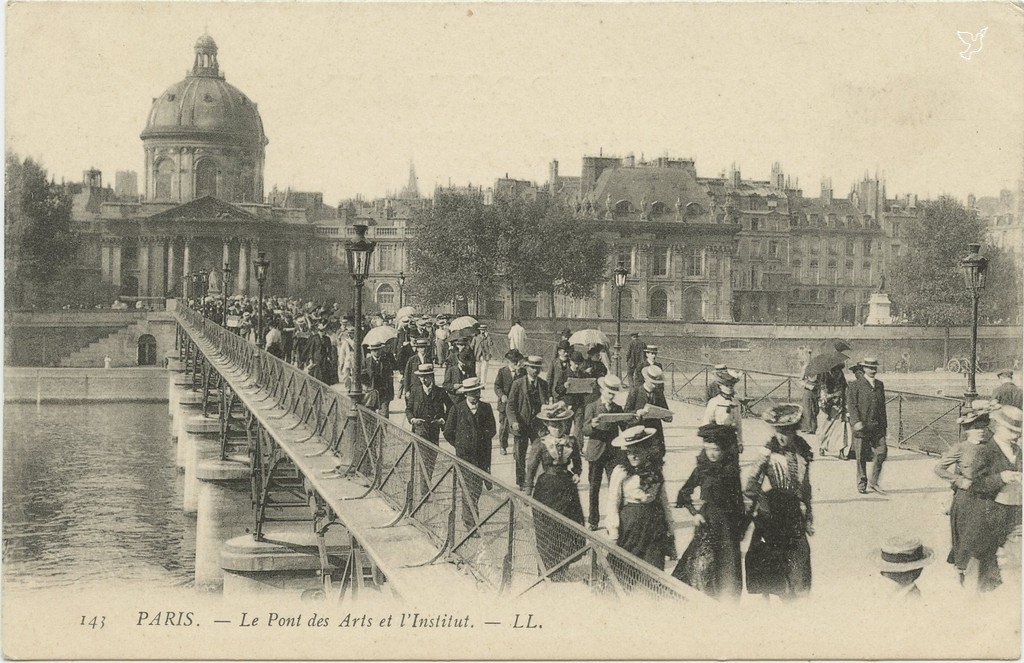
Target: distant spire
(412, 189)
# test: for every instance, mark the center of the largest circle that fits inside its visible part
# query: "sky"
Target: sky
(350, 94)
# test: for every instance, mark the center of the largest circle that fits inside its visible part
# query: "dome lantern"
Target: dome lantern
(206, 57)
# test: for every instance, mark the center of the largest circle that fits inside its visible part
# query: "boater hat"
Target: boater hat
(1009, 417)
(729, 376)
(653, 374)
(651, 348)
(609, 382)
(535, 361)
(421, 343)
(375, 346)
(555, 412)
(425, 369)
(899, 554)
(470, 384)
(783, 415)
(633, 435)
(869, 362)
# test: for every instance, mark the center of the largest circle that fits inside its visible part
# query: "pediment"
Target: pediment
(207, 208)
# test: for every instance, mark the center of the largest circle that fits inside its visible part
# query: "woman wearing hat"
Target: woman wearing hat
(558, 459)
(779, 558)
(712, 561)
(726, 410)
(639, 518)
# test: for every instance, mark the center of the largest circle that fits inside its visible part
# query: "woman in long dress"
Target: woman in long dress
(779, 558)
(557, 458)
(639, 517)
(712, 561)
(833, 437)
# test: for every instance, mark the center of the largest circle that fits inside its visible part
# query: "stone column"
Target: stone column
(642, 270)
(254, 250)
(105, 262)
(158, 285)
(171, 260)
(186, 261)
(223, 512)
(242, 284)
(144, 267)
(115, 264)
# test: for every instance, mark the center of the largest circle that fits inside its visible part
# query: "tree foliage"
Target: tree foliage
(460, 246)
(926, 283)
(40, 246)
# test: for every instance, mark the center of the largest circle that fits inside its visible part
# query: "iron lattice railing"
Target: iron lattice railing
(508, 540)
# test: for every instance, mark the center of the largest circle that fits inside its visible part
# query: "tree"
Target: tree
(926, 283)
(41, 246)
(574, 256)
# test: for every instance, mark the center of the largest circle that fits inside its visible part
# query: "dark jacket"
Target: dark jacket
(559, 374)
(428, 406)
(989, 463)
(453, 377)
(638, 370)
(599, 438)
(637, 399)
(809, 420)
(524, 404)
(503, 381)
(866, 405)
(378, 377)
(635, 354)
(409, 380)
(1008, 393)
(471, 434)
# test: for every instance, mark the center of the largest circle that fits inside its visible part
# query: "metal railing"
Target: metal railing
(506, 539)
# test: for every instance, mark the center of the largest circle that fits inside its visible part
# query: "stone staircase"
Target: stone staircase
(121, 346)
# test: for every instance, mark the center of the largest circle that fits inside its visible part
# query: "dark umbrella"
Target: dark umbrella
(824, 362)
(465, 332)
(835, 345)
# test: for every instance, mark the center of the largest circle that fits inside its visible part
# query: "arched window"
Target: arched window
(658, 207)
(163, 174)
(385, 297)
(693, 305)
(147, 350)
(659, 304)
(206, 178)
(622, 207)
(694, 209)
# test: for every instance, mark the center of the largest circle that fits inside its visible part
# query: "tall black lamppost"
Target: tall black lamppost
(975, 267)
(204, 282)
(401, 289)
(358, 253)
(262, 265)
(620, 282)
(224, 295)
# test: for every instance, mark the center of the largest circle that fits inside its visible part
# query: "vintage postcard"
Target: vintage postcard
(489, 330)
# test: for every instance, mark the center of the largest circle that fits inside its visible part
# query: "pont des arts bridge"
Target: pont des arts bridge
(257, 440)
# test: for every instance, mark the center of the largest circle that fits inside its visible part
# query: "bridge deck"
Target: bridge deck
(397, 551)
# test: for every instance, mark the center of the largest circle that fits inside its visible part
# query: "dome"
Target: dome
(205, 106)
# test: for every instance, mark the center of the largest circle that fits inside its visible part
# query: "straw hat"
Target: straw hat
(654, 375)
(421, 343)
(976, 410)
(899, 554)
(1008, 417)
(609, 382)
(375, 346)
(783, 415)
(425, 369)
(869, 362)
(535, 361)
(555, 412)
(730, 376)
(633, 435)
(470, 384)
(653, 349)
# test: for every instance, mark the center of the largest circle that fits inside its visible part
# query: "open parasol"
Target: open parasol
(824, 362)
(836, 345)
(589, 337)
(465, 332)
(381, 334)
(462, 323)
(404, 311)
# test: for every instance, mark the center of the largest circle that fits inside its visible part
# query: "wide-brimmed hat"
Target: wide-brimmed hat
(976, 410)
(555, 412)
(470, 384)
(514, 355)
(783, 415)
(375, 346)
(717, 433)
(651, 348)
(869, 362)
(405, 318)
(535, 361)
(653, 374)
(1009, 417)
(730, 376)
(420, 343)
(899, 554)
(425, 369)
(633, 435)
(609, 382)
(1004, 371)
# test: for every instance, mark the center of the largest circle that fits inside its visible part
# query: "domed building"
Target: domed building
(204, 137)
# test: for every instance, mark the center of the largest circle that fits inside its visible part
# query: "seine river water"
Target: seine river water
(90, 495)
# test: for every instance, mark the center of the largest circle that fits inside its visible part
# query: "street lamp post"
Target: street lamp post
(975, 269)
(204, 282)
(401, 289)
(262, 265)
(224, 295)
(358, 253)
(620, 282)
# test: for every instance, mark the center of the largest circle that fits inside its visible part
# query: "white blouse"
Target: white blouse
(624, 488)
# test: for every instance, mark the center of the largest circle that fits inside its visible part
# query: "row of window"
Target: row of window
(661, 262)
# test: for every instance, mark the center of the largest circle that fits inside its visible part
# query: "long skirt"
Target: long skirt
(978, 527)
(556, 543)
(779, 558)
(712, 561)
(833, 434)
(644, 532)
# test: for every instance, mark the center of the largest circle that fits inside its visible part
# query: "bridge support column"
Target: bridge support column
(201, 443)
(188, 405)
(224, 512)
(285, 563)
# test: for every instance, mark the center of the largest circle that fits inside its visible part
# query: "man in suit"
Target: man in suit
(470, 428)
(865, 402)
(634, 354)
(426, 407)
(525, 397)
(650, 359)
(598, 450)
(457, 371)
(502, 386)
(649, 392)
(1007, 393)
(409, 380)
(378, 378)
(563, 342)
(560, 369)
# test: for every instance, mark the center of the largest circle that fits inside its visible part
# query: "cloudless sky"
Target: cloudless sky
(349, 94)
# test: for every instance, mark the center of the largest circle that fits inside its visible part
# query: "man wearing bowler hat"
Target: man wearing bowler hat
(426, 407)
(502, 387)
(527, 395)
(865, 402)
(470, 428)
(1008, 393)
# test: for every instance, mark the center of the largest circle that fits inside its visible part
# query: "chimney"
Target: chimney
(553, 172)
(736, 175)
(826, 191)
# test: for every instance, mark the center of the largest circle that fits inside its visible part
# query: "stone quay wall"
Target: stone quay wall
(85, 385)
